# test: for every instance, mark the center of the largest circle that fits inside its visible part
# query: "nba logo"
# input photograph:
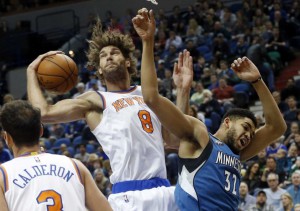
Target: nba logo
(126, 198)
(37, 159)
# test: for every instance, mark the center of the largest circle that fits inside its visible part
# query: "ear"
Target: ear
(8, 139)
(127, 63)
(227, 122)
(100, 71)
(41, 130)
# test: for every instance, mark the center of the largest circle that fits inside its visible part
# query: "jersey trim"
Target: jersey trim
(5, 178)
(131, 89)
(77, 170)
(135, 185)
(103, 100)
(193, 163)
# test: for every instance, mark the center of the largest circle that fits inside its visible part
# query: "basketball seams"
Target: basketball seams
(63, 77)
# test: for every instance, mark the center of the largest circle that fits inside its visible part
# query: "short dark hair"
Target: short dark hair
(237, 113)
(22, 122)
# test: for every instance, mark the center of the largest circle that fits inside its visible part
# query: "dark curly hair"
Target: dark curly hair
(237, 113)
(101, 39)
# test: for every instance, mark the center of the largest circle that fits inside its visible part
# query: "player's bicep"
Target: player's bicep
(262, 138)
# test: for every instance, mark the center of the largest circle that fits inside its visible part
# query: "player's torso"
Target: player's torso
(43, 182)
(210, 182)
(130, 134)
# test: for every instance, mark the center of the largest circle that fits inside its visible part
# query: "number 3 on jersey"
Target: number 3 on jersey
(145, 119)
(45, 195)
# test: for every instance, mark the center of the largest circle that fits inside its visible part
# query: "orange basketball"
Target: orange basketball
(57, 73)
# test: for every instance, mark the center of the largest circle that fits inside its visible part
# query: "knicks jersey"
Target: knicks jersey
(130, 134)
(211, 181)
(43, 182)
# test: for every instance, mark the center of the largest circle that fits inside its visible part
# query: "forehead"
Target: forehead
(109, 48)
(247, 121)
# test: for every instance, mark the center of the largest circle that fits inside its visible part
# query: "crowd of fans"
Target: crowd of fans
(215, 35)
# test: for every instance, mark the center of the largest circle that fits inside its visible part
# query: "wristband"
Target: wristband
(257, 80)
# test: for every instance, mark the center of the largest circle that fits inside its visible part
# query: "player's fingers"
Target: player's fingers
(190, 63)
(175, 69)
(151, 14)
(186, 55)
(180, 59)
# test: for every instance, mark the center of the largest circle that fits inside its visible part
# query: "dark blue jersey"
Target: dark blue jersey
(211, 181)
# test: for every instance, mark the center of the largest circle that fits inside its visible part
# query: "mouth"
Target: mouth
(244, 142)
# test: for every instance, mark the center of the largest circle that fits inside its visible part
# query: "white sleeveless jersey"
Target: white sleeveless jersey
(43, 182)
(130, 134)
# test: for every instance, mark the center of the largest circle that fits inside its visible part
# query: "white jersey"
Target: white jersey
(43, 182)
(130, 134)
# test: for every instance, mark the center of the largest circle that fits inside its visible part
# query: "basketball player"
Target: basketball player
(41, 181)
(209, 166)
(126, 128)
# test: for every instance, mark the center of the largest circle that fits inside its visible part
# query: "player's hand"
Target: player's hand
(183, 71)
(144, 24)
(35, 64)
(245, 69)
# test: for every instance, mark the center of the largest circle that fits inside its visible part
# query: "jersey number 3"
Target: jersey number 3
(45, 195)
(145, 119)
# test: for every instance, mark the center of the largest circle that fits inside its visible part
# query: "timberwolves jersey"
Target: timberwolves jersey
(130, 134)
(211, 181)
(43, 182)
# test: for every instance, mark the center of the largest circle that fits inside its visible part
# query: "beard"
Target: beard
(230, 140)
(116, 73)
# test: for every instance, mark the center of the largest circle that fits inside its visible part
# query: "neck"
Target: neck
(119, 86)
(23, 150)
(220, 134)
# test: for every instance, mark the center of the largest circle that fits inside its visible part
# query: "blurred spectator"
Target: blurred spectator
(80, 89)
(282, 105)
(290, 135)
(271, 168)
(198, 96)
(82, 155)
(297, 207)
(160, 70)
(293, 189)
(291, 114)
(257, 54)
(214, 82)
(252, 177)
(174, 40)
(245, 198)
(261, 203)
(290, 89)
(205, 77)
(275, 146)
(274, 192)
(287, 202)
(211, 109)
(101, 153)
(102, 182)
(224, 94)
(5, 154)
(226, 72)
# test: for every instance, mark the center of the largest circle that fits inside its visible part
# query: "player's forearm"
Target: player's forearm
(34, 92)
(271, 111)
(183, 99)
(148, 73)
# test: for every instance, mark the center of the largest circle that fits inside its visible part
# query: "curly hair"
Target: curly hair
(101, 39)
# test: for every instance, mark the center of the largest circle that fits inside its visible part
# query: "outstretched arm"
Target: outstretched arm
(3, 203)
(94, 199)
(275, 125)
(63, 111)
(169, 115)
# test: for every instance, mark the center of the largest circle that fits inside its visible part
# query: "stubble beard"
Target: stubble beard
(115, 74)
(230, 140)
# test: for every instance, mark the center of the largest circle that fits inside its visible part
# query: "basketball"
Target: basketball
(57, 73)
